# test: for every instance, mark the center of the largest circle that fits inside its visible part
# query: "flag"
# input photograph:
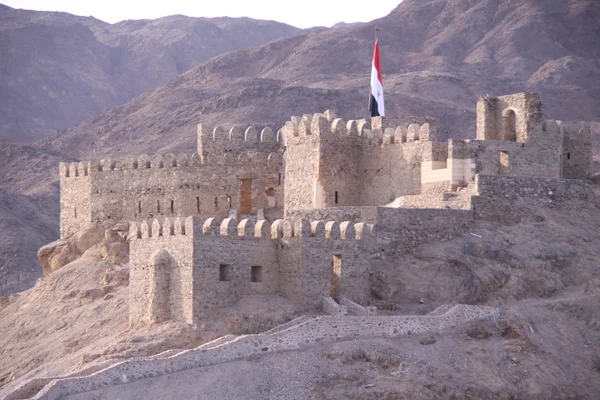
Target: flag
(376, 103)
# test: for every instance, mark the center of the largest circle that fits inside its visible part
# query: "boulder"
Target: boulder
(94, 241)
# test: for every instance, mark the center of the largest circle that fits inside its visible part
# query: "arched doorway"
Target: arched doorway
(510, 125)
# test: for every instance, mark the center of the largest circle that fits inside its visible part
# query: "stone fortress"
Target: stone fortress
(309, 212)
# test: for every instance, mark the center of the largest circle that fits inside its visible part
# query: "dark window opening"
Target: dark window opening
(158, 206)
(216, 202)
(279, 179)
(75, 212)
(568, 156)
(256, 273)
(198, 205)
(224, 272)
(510, 126)
(336, 197)
(139, 207)
(172, 206)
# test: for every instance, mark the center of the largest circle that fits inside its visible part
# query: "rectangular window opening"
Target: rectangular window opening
(336, 197)
(224, 272)
(336, 277)
(216, 202)
(280, 179)
(198, 205)
(503, 163)
(139, 207)
(568, 156)
(172, 206)
(256, 273)
(75, 212)
(158, 206)
(245, 196)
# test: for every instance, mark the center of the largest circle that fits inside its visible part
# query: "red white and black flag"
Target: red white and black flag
(376, 103)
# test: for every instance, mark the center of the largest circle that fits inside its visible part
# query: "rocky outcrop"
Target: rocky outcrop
(95, 241)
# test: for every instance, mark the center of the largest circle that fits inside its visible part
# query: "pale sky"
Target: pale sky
(300, 13)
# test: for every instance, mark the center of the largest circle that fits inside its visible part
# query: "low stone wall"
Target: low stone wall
(500, 196)
(410, 227)
(367, 214)
(454, 200)
(325, 328)
(332, 308)
(356, 309)
(541, 191)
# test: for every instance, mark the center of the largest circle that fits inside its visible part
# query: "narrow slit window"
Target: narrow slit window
(216, 202)
(158, 206)
(280, 179)
(75, 212)
(198, 205)
(139, 207)
(336, 197)
(256, 273)
(172, 206)
(568, 156)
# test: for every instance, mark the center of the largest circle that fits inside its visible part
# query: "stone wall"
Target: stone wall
(500, 197)
(75, 198)
(333, 163)
(307, 332)
(180, 269)
(355, 214)
(408, 228)
(494, 113)
(169, 186)
(577, 155)
(215, 143)
(161, 272)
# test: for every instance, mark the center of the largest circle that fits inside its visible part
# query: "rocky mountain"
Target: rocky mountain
(57, 69)
(438, 58)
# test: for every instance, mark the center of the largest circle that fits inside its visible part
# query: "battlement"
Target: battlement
(169, 160)
(376, 130)
(219, 142)
(194, 226)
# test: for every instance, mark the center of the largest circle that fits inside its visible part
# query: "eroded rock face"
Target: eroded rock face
(92, 242)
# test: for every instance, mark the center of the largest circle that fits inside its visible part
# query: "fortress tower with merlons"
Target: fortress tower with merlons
(309, 212)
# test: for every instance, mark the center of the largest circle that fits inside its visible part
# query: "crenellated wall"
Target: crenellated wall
(168, 186)
(224, 146)
(369, 162)
(75, 198)
(182, 269)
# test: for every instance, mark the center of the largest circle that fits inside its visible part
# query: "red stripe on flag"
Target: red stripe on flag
(376, 61)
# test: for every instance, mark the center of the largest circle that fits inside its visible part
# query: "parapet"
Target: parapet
(169, 160)
(155, 229)
(218, 141)
(376, 130)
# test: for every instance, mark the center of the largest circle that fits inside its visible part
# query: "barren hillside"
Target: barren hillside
(57, 69)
